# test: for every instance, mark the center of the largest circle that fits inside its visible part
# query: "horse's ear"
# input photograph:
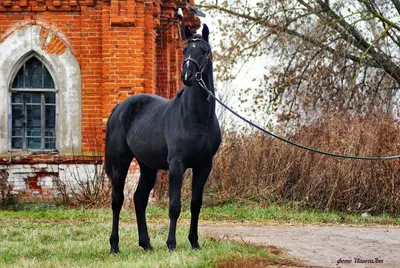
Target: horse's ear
(188, 32)
(205, 32)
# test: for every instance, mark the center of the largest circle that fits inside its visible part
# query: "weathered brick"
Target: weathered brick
(117, 59)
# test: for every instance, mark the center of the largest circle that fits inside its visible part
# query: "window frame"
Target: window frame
(42, 105)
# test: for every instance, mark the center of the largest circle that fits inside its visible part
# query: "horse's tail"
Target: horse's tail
(107, 157)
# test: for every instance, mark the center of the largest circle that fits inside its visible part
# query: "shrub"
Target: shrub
(258, 166)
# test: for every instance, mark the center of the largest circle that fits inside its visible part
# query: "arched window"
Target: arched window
(33, 108)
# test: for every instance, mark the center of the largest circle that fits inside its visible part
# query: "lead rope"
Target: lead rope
(203, 85)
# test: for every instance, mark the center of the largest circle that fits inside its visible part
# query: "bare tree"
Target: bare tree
(341, 54)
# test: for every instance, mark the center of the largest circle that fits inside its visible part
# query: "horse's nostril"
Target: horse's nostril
(187, 75)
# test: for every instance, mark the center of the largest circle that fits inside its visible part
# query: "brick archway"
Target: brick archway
(65, 70)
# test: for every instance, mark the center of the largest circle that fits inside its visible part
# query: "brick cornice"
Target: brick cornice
(43, 5)
(123, 12)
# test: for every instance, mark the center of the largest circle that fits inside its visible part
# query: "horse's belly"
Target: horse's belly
(150, 153)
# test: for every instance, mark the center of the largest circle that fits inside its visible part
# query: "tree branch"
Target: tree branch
(378, 15)
(347, 32)
(276, 29)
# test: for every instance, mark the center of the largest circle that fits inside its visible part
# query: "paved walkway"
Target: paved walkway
(326, 246)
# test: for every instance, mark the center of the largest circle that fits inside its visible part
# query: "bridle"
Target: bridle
(202, 66)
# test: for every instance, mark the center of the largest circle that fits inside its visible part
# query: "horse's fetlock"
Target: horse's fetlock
(145, 244)
(193, 238)
(114, 241)
(171, 244)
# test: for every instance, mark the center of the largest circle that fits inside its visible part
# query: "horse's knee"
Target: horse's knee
(142, 192)
(174, 211)
(117, 199)
(176, 167)
(136, 198)
(195, 206)
(140, 202)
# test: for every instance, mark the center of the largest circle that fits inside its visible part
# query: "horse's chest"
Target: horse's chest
(191, 143)
(194, 141)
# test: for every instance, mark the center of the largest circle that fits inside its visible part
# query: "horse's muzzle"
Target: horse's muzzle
(187, 78)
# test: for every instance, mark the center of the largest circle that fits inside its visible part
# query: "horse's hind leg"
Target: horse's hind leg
(200, 175)
(119, 171)
(147, 180)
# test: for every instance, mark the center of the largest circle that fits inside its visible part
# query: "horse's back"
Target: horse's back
(129, 110)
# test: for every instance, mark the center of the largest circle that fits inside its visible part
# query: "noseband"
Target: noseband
(200, 67)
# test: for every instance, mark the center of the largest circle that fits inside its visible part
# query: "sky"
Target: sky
(249, 77)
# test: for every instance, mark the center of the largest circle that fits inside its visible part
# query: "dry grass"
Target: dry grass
(258, 166)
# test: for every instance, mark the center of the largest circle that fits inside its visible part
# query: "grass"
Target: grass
(253, 213)
(274, 213)
(51, 236)
(249, 212)
(61, 237)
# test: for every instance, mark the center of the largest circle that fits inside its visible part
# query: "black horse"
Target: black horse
(165, 134)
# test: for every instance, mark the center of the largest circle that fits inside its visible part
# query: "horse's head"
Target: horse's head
(196, 55)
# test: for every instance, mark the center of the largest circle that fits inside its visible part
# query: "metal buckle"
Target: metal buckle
(198, 76)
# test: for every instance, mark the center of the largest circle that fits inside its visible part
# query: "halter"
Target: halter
(202, 66)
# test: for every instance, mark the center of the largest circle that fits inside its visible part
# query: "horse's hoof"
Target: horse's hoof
(114, 250)
(171, 248)
(196, 247)
(147, 247)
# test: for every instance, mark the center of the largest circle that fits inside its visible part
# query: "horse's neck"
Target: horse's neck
(197, 106)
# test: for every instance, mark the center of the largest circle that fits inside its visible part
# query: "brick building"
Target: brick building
(63, 67)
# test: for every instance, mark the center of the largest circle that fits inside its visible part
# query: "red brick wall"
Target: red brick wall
(119, 45)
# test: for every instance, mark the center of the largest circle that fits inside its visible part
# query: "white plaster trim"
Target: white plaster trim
(66, 74)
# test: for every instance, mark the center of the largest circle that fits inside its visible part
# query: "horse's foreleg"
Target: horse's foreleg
(176, 170)
(146, 183)
(200, 175)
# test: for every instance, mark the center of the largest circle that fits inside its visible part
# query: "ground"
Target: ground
(272, 236)
(322, 246)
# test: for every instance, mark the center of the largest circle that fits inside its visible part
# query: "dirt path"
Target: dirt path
(322, 246)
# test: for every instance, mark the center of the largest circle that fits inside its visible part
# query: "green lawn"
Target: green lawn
(61, 237)
(252, 213)
(51, 236)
